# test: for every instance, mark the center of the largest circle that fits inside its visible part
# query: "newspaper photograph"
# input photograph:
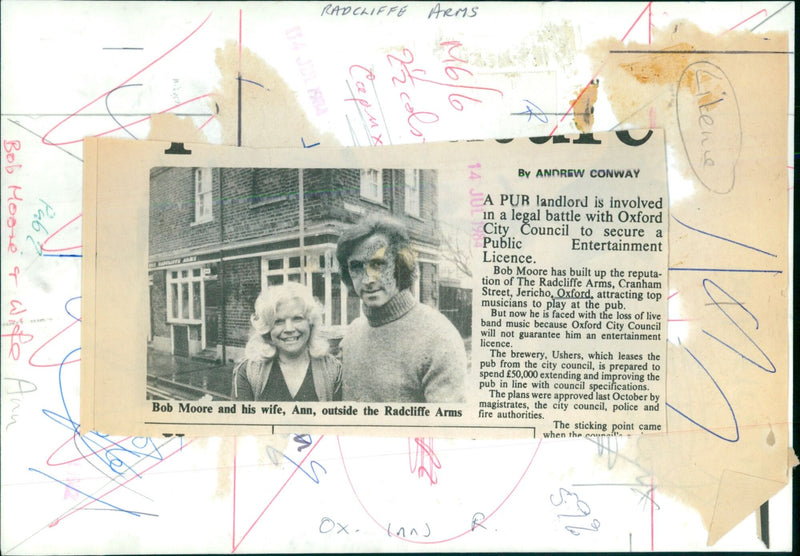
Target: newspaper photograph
(476, 289)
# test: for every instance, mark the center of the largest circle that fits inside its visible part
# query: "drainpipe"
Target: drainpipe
(301, 228)
(222, 306)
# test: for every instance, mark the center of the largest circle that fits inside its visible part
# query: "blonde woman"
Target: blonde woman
(285, 358)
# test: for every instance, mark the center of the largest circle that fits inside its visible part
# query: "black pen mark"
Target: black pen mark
(253, 82)
(763, 521)
(116, 121)
(763, 22)
(123, 48)
(239, 110)
(42, 138)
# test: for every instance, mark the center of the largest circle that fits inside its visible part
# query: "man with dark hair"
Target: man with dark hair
(400, 350)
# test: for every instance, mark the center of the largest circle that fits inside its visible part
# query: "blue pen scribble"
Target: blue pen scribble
(275, 452)
(116, 121)
(706, 282)
(107, 451)
(66, 307)
(85, 494)
(699, 231)
(539, 114)
(724, 397)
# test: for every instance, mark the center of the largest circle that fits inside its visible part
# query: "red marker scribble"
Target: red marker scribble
(475, 523)
(424, 462)
(18, 337)
(76, 320)
(148, 66)
(235, 545)
(40, 348)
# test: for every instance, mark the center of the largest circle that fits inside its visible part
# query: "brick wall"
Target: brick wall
(428, 284)
(242, 286)
(172, 211)
(158, 303)
(262, 202)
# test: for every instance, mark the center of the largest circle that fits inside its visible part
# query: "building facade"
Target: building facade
(218, 236)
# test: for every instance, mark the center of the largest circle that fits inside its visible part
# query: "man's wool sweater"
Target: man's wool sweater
(404, 351)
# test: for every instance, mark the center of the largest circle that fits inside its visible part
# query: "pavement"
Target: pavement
(196, 376)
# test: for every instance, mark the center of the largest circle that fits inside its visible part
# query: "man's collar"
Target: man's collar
(392, 310)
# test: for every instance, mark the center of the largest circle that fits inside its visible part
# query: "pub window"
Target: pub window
(202, 194)
(372, 185)
(184, 297)
(412, 194)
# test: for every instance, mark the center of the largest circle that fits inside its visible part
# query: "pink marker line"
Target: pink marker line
(652, 516)
(49, 250)
(745, 21)
(148, 66)
(236, 545)
(119, 485)
(646, 8)
(207, 121)
(574, 102)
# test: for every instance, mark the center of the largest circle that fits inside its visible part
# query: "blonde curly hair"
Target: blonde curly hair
(259, 346)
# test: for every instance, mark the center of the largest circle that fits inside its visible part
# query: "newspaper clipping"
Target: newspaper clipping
(482, 289)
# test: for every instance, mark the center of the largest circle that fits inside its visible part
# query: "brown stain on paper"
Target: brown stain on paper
(641, 87)
(169, 127)
(271, 116)
(583, 107)
(662, 68)
(551, 45)
(723, 480)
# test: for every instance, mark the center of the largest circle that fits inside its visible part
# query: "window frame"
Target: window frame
(413, 192)
(367, 184)
(203, 195)
(176, 301)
